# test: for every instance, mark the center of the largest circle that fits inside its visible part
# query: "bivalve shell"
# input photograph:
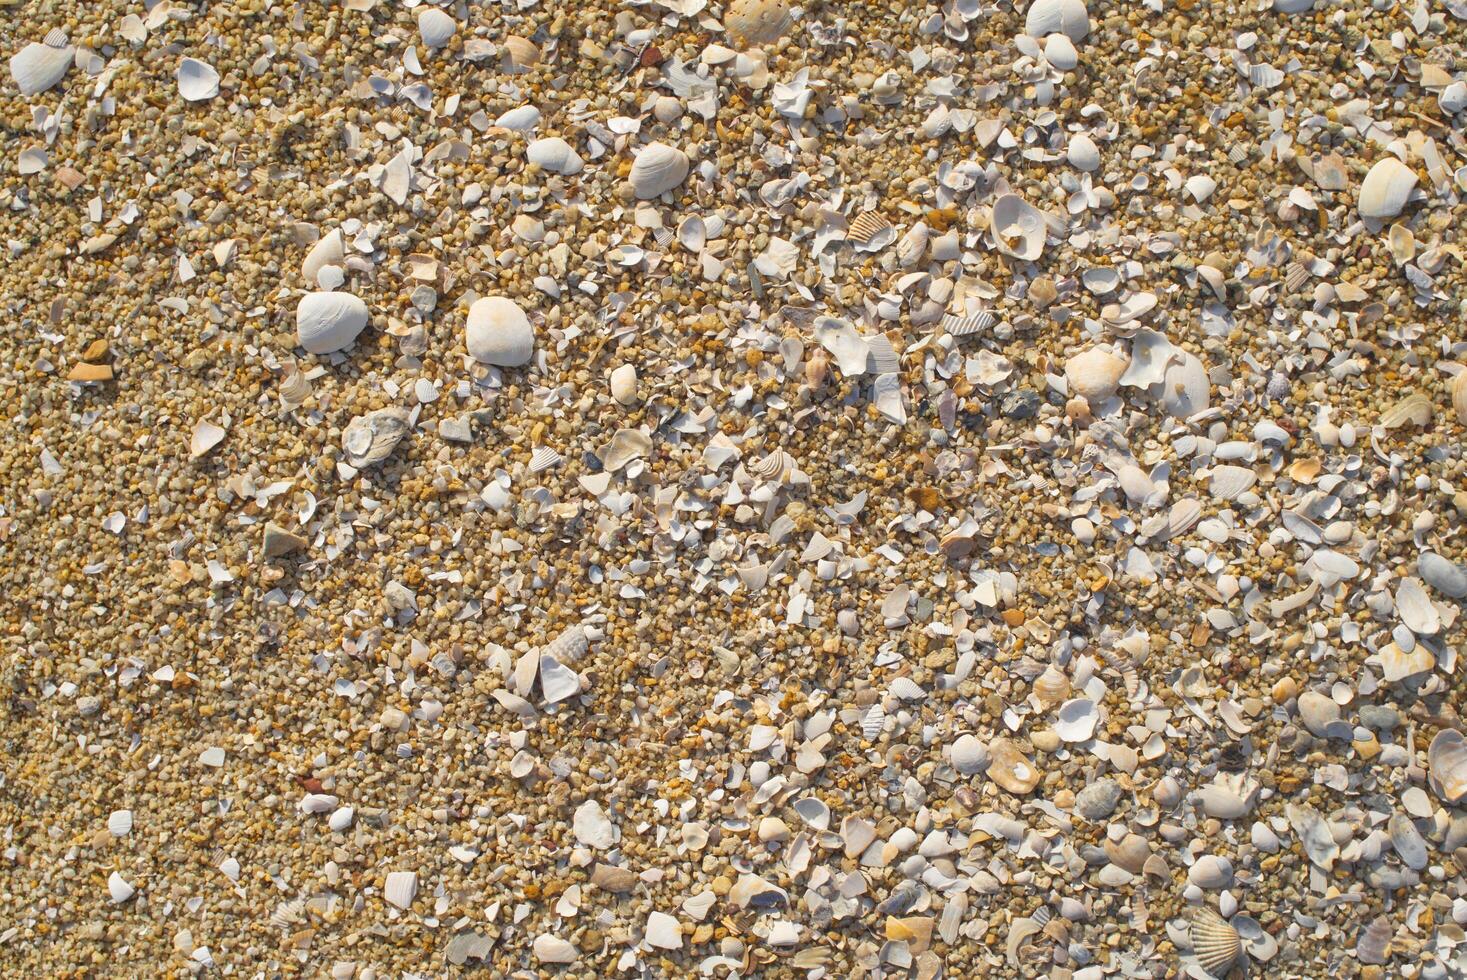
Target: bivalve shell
(498, 332)
(1067, 17)
(197, 80)
(328, 322)
(371, 438)
(37, 66)
(1386, 188)
(1446, 762)
(329, 250)
(1447, 577)
(119, 823)
(969, 754)
(1052, 686)
(1459, 396)
(658, 169)
(435, 27)
(555, 155)
(1095, 372)
(1082, 153)
(1077, 720)
(1215, 942)
(1010, 769)
(751, 22)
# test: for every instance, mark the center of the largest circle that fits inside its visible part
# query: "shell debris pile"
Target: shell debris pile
(734, 488)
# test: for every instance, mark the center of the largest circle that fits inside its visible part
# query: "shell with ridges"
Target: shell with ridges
(1386, 188)
(1051, 687)
(751, 22)
(1215, 942)
(36, 67)
(657, 169)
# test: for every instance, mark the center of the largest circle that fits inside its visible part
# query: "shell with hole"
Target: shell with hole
(1018, 228)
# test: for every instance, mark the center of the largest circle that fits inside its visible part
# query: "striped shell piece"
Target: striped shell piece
(772, 466)
(544, 458)
(568, 646)
(871, 232)
(1215, 942)
(963, 326)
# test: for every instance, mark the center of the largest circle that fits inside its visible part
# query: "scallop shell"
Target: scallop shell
(435, 27)
(1385, 190)
(1374, 945)
(544, 458)
(1018, 228)
(772, 466)
(197, 80)
(1215, 942)
(870, 232)
(328, 322)
(1459, 396)
(371, 438)
(658, 169)
(555, 155)
(1010, 769)
(1067, 17)
(751, 22)
(520, 53)
(1051, 687)
(1446, 762)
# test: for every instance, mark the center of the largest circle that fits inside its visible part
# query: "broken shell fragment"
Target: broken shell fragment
(1067, 17)
(754, 22)
(1018, 228)
(1010, 769)
(197, 80)
(38, 66)
(369, 439)
(1095, 372)
(555, 155)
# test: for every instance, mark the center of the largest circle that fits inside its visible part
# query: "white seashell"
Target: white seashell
(329, 250)
(555, 155)
(119, 823)
(625, 446)
(1397, 665)
(197, 80)
(1018, 227)
(206, 436)
(1076, 720)
(912, 245)
(1101, 280)
(498, 332)
(663, 931)
(36, 67)
(772, 467)
(1453, 98)
(969, 754)
(1459, 396)
(371, 438)
(318, 803)
(872, 722)
(973, 323)
(592, 827)
(1231, 482)
(557, 681)
(870, 232)
(815, 813)
(521, 119)
(1200, 187)
(435, 27)
(1094, 373)
(288, 913)
(1082, 153)
(1448, 578)
(1067, 17)
(1211, 871)
(754, 22)
(1216, 943)
(119, 888)
(400, 888)
(692, 233)
(657, 169)
(544, 458)
(1185, 387)
(553, 949)
(329, 322)
(520, 54)
(839, 337)
(340, 818)
(1373, 947)
(1416, 608)
(1407, 842)
(1052, 686)
(623, 384)
(1446, 762)
(1229, 796)
(1060, 52)
(1386, 187)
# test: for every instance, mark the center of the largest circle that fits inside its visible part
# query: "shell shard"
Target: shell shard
(197, 80)
(1018, 228)
(38, 66)
(371, 438)
(755, 22)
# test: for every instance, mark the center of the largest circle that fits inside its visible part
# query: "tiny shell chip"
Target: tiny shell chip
(498, 332)
(119, 823)
(1386, 188)
(753, 22)
(328, 322)
(658, 168)
(119, 888)
(1067, 17)
(197, 80)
